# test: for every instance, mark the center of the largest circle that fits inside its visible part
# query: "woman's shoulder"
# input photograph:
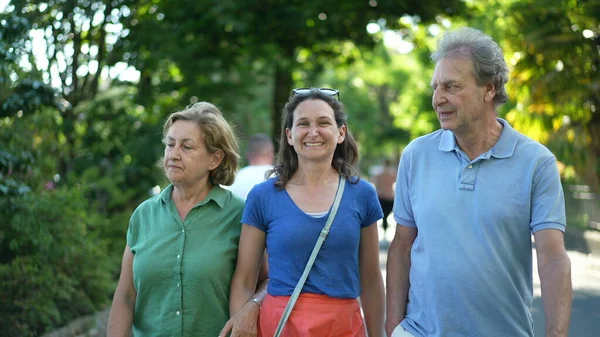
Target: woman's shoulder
(360, 185)
(231, 200)
(264, 189)
(152, 202)
(267, 185)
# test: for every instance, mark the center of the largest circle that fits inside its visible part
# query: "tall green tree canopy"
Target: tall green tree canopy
(222, 49)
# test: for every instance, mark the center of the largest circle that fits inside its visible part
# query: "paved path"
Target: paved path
(585, 316)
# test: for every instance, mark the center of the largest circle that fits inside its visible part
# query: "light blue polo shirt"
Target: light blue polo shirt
(471, 262)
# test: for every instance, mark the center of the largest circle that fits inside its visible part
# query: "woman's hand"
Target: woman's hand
(244, 323)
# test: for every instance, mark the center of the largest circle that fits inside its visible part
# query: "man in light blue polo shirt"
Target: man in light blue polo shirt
(468, 197)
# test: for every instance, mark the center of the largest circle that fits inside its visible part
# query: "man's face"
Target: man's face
(457, 99)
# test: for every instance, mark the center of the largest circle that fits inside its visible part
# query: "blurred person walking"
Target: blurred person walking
(384, 184)
(260, 155)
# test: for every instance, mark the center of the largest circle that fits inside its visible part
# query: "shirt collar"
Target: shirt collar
(217, 194)
(504, 147)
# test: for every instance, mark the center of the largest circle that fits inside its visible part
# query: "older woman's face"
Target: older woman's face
(186, 160)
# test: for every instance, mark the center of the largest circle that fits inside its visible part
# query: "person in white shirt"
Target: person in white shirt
(260, 154)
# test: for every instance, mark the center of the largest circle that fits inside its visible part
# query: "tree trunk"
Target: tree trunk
(283, 88)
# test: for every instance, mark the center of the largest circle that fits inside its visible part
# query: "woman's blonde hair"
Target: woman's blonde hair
(218, 135)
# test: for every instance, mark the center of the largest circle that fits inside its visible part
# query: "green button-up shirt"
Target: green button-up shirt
(182, 269)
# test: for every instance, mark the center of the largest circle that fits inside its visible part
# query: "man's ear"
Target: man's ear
(490, 92)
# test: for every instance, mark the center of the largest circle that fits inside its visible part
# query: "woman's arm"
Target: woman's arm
(243, 310)
(123, 305)
(372, 297)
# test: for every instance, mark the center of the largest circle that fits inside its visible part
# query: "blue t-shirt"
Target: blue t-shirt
(291, 235)
(471, 262)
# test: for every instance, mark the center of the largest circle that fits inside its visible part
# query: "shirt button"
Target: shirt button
(177, 313)
(183, 230)
(470, 166)
(178, 285)
(178, 256)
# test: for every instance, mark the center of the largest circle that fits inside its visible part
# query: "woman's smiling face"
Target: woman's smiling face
(314, 134)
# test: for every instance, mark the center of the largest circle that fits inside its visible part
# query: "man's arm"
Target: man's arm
(554, 268)
(397, 279)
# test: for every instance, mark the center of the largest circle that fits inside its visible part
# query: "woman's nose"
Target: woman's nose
(173, 153)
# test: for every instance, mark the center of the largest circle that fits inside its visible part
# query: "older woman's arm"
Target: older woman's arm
(243, 309)
(123, 305)
(372, 297)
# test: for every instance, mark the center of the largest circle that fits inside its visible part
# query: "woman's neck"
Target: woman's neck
(314, 175)
(191, 195)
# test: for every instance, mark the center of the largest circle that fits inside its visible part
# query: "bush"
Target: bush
(52, 266)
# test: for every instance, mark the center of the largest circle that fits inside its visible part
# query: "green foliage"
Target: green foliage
(60, 248)
(555, 82)
(53, 267)
(28, 93)
(239, 45)
(71, 173)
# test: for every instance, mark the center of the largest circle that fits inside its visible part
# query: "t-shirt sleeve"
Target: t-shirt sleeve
(373, 212)
(132, 233)
(403, 214)
(547, 198)
(254, 212)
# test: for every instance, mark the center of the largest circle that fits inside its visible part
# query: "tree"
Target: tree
(225, 48)
(554, 86)
(559, 65)
(76, 37)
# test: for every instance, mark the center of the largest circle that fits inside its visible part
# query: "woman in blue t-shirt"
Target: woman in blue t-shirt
(285, 215)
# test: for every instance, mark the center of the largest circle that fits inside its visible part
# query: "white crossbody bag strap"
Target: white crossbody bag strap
(311, 260)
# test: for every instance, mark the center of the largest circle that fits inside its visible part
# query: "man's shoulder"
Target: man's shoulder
(426, 142)
(532, 148)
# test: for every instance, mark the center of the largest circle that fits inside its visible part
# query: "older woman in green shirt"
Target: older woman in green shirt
(182, 243)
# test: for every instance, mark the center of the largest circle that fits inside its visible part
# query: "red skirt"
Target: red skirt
(312, 316)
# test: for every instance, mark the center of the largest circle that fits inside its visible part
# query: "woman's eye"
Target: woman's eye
(187, 147)
(169, 145)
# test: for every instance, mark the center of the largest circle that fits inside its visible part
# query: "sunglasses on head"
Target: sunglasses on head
(326, 91)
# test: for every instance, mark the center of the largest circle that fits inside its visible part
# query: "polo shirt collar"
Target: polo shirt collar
(217, 194)
(504, 147)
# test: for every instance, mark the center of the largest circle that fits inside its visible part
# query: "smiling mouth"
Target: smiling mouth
(313, 144)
